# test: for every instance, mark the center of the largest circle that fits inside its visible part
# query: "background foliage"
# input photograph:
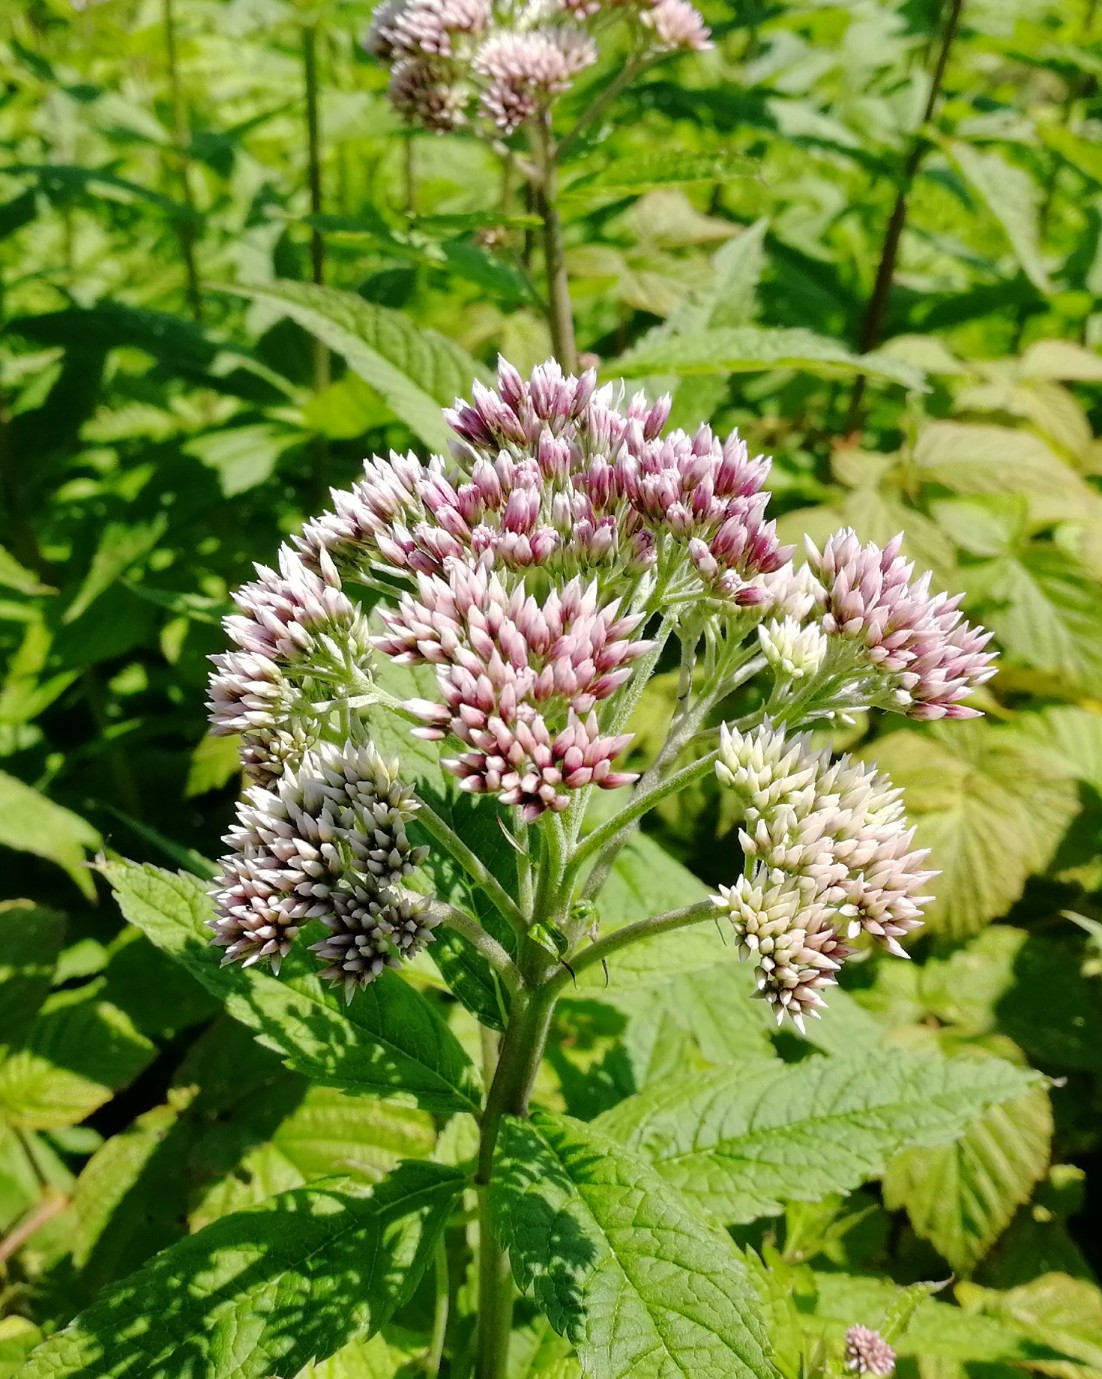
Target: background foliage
(176, 395)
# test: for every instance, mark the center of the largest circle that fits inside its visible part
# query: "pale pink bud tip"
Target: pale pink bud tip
(868, 1353)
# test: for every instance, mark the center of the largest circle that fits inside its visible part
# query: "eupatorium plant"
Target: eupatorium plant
(538, 575)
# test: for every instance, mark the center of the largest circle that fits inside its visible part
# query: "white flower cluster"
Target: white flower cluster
(828, 856)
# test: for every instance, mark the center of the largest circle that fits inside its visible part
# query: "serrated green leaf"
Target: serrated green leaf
(971, 459)
(1045, 611)
(30, 941)
(749, 349)
(742, 1141)
(641, 1287)
(382, 1357)
(327, 1134)
(636, 175)
(79, 1051)
(416, 371)
(130, 1199)
(388, 1040)
(1054, 1311)
(1003, 980)
(1014, 199)
(990, 811)
(265, 1291)
(29, 822)
(18, 1337)
(962, 1196)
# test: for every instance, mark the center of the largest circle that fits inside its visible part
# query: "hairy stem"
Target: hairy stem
(560, 316)
(479, 873)
(474, 933)
(612, 943)
(517, 1066)
(873, 322)
(181, 139)
(605, 842)
(619, 83)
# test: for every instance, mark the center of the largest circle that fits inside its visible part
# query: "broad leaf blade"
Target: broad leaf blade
(263, 1292)
(388, 1040)
(743, 1141)
(417, 371)
(748, 349)
(618, 1263)
(962, 1196)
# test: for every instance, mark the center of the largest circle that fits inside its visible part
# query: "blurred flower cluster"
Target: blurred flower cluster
(497, 66)
(537, 574)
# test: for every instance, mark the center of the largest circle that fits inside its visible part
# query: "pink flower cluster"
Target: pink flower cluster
(829, 855)
(920, 641)
(519, 681)
(471, 62)
(552, 475)
(289, 621)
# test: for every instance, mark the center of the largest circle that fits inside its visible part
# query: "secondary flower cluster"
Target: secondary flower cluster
(917, 641)
(328, 842)
(499, 65)
(828, 856)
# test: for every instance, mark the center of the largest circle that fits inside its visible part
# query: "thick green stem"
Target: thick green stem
(477, 936)
(560, 316)
(517, 1066)
(447, 837)
(618, 829)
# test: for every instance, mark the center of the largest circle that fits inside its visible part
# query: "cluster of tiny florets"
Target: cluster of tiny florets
(828, 855)
(327, 842)
(867, 1352)
(549, 475)
(917, 643)
(519, 681)
(294, 625)
(497, 66)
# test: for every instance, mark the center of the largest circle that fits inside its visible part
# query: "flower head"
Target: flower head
(868, 1353)
(327, 842)
(519, 680)
(919, 641)
(829, 856)
(495, 66)
(550, 474)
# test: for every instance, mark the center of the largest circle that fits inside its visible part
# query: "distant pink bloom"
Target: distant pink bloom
(677, 26)
(868, 1353)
